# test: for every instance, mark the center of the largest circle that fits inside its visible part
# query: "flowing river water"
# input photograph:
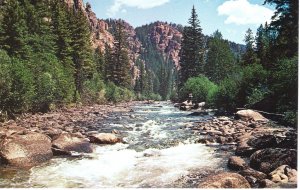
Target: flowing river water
(159, 151)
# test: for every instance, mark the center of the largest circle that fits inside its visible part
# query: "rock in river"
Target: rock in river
(25, 150)
(236, 163)
(250, 115)
(283, 174)
(104, 138)
(269, 159)
(65, 143)
(225, 180)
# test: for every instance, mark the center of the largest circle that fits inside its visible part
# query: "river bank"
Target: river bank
(154, 141)
(264, 153)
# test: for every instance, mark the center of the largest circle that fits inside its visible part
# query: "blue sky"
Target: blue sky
(231, 17)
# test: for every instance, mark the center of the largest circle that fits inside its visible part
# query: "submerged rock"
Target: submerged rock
(267, 160)
(25, 150)
(65, 143)
(225, 180)
(104, 138)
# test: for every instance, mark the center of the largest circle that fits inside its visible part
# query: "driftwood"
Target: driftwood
(263, 112)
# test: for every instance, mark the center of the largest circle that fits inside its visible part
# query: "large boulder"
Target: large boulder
(186, 105)
(225, 180)
(236, 163)
(25, 150)
(65, 144)
(250, 115)
(267, 160)
(264, 141)
(253, 176)
(104, 138)
(283, 174)
(243, 149)
(254, 173)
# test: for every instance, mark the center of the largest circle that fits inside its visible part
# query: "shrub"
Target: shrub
(16, 84)
(226, 95)
(45, 89)
(117, 94)
(200, 87)
(212, 96)
(94, 90)
(54, 84)
(174, 96)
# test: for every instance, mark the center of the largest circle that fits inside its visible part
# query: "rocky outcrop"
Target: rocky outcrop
(77, 4)
(65, 144)
(105, 138)
(25, 150)
(225, 180)
(134, 45)
(250, 115)
(254, 177)
(283, 174)
(167, 40)
(269, 159)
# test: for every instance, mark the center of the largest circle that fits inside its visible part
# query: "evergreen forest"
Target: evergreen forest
(47, 61)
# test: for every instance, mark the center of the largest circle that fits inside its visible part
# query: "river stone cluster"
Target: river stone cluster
(34, 139)
(265, 154)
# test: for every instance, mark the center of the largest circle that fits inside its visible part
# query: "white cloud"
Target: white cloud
(140, 4)
(242, 12)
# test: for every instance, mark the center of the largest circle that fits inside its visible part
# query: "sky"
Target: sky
(231, 17)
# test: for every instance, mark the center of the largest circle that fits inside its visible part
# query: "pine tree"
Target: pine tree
(263, 45)
(121, 71)
(61, 28)
(220, 59)
(81, 50)
(286, 22)
(249, 57)
(99, 61)
(14, 35)
(191, 61)
(109, 65)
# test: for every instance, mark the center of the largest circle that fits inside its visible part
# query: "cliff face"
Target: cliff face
(167, 40)
(99, 28)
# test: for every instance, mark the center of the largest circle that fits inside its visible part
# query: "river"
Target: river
(159, 151)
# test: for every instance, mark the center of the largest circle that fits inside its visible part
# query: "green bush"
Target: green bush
(53, 83)
(200, 87)
(212, 96)
(94, 90)
(174, 96)
(285, 88)
(256, 95)
(117, 94)
(226, 95)
(127, 95)
(16, 84)
(150, 96)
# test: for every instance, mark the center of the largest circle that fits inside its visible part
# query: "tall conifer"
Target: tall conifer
(191, 59)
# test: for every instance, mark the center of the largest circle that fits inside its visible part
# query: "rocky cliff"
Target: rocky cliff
(99, 28)
(164, 38)
(167, 40)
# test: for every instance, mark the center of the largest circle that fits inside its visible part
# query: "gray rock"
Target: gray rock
(65, 143)
(25, 150)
